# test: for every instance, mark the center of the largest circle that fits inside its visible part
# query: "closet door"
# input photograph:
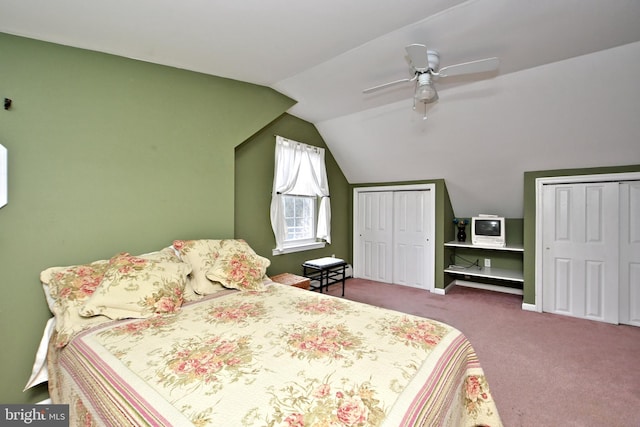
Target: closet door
(412, 238)
(630, 253)
(394, 238)
(375, 236)
(580, 259)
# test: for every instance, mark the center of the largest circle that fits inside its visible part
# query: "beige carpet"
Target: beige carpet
(544, 369)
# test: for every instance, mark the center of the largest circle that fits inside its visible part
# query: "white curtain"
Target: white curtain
(299, 170)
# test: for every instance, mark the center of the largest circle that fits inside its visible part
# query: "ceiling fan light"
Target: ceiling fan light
(425, 93)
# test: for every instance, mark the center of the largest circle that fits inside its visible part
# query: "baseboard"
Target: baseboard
(443, 291)
(529, 307)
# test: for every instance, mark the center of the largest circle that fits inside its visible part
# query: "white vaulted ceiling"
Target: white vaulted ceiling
(566, 94)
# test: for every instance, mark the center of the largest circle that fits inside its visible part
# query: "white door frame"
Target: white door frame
(540, 183)
(409, 187)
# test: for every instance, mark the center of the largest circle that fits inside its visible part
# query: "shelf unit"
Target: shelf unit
(515, 276)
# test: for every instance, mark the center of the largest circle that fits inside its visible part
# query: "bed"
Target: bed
(211, 341)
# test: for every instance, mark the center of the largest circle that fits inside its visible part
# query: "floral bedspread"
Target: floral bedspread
(283, 357)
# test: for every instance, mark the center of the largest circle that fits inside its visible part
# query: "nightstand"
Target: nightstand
(292, 280)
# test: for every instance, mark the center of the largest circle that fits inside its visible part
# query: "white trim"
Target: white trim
(529, 307)
(431, 255)
(540, 183)
(299, 248)
(440, 291)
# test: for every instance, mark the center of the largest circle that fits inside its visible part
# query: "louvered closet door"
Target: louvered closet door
(581, 243)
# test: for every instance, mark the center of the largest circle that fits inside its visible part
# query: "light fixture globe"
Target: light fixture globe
(425, 92)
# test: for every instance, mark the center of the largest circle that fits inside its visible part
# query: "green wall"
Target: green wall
(107, 154)
(529, 264)
(254, 180)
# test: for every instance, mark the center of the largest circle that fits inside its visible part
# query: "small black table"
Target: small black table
(324, 272)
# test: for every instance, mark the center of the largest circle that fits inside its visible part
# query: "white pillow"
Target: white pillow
(39, 372)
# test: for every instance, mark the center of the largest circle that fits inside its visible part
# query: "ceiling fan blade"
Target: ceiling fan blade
(418, 56)
(479, 66)
(372, 89)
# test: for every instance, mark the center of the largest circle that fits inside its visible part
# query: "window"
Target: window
(300, 208)
(300, 218)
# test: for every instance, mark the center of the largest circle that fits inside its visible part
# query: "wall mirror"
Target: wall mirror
(4, 188)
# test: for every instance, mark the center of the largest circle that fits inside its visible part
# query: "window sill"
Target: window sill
(299, 248)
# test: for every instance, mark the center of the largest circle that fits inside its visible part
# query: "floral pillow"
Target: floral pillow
(136, 287)
(201, 255)
(170, 255)
(239, 267)
(166, 254)
(70, 287)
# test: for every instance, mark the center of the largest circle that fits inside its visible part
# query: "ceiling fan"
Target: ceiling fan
(425, 65)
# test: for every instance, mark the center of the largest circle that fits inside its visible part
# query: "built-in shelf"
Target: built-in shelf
(515, 276)
(468, 245)
(487, 272)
